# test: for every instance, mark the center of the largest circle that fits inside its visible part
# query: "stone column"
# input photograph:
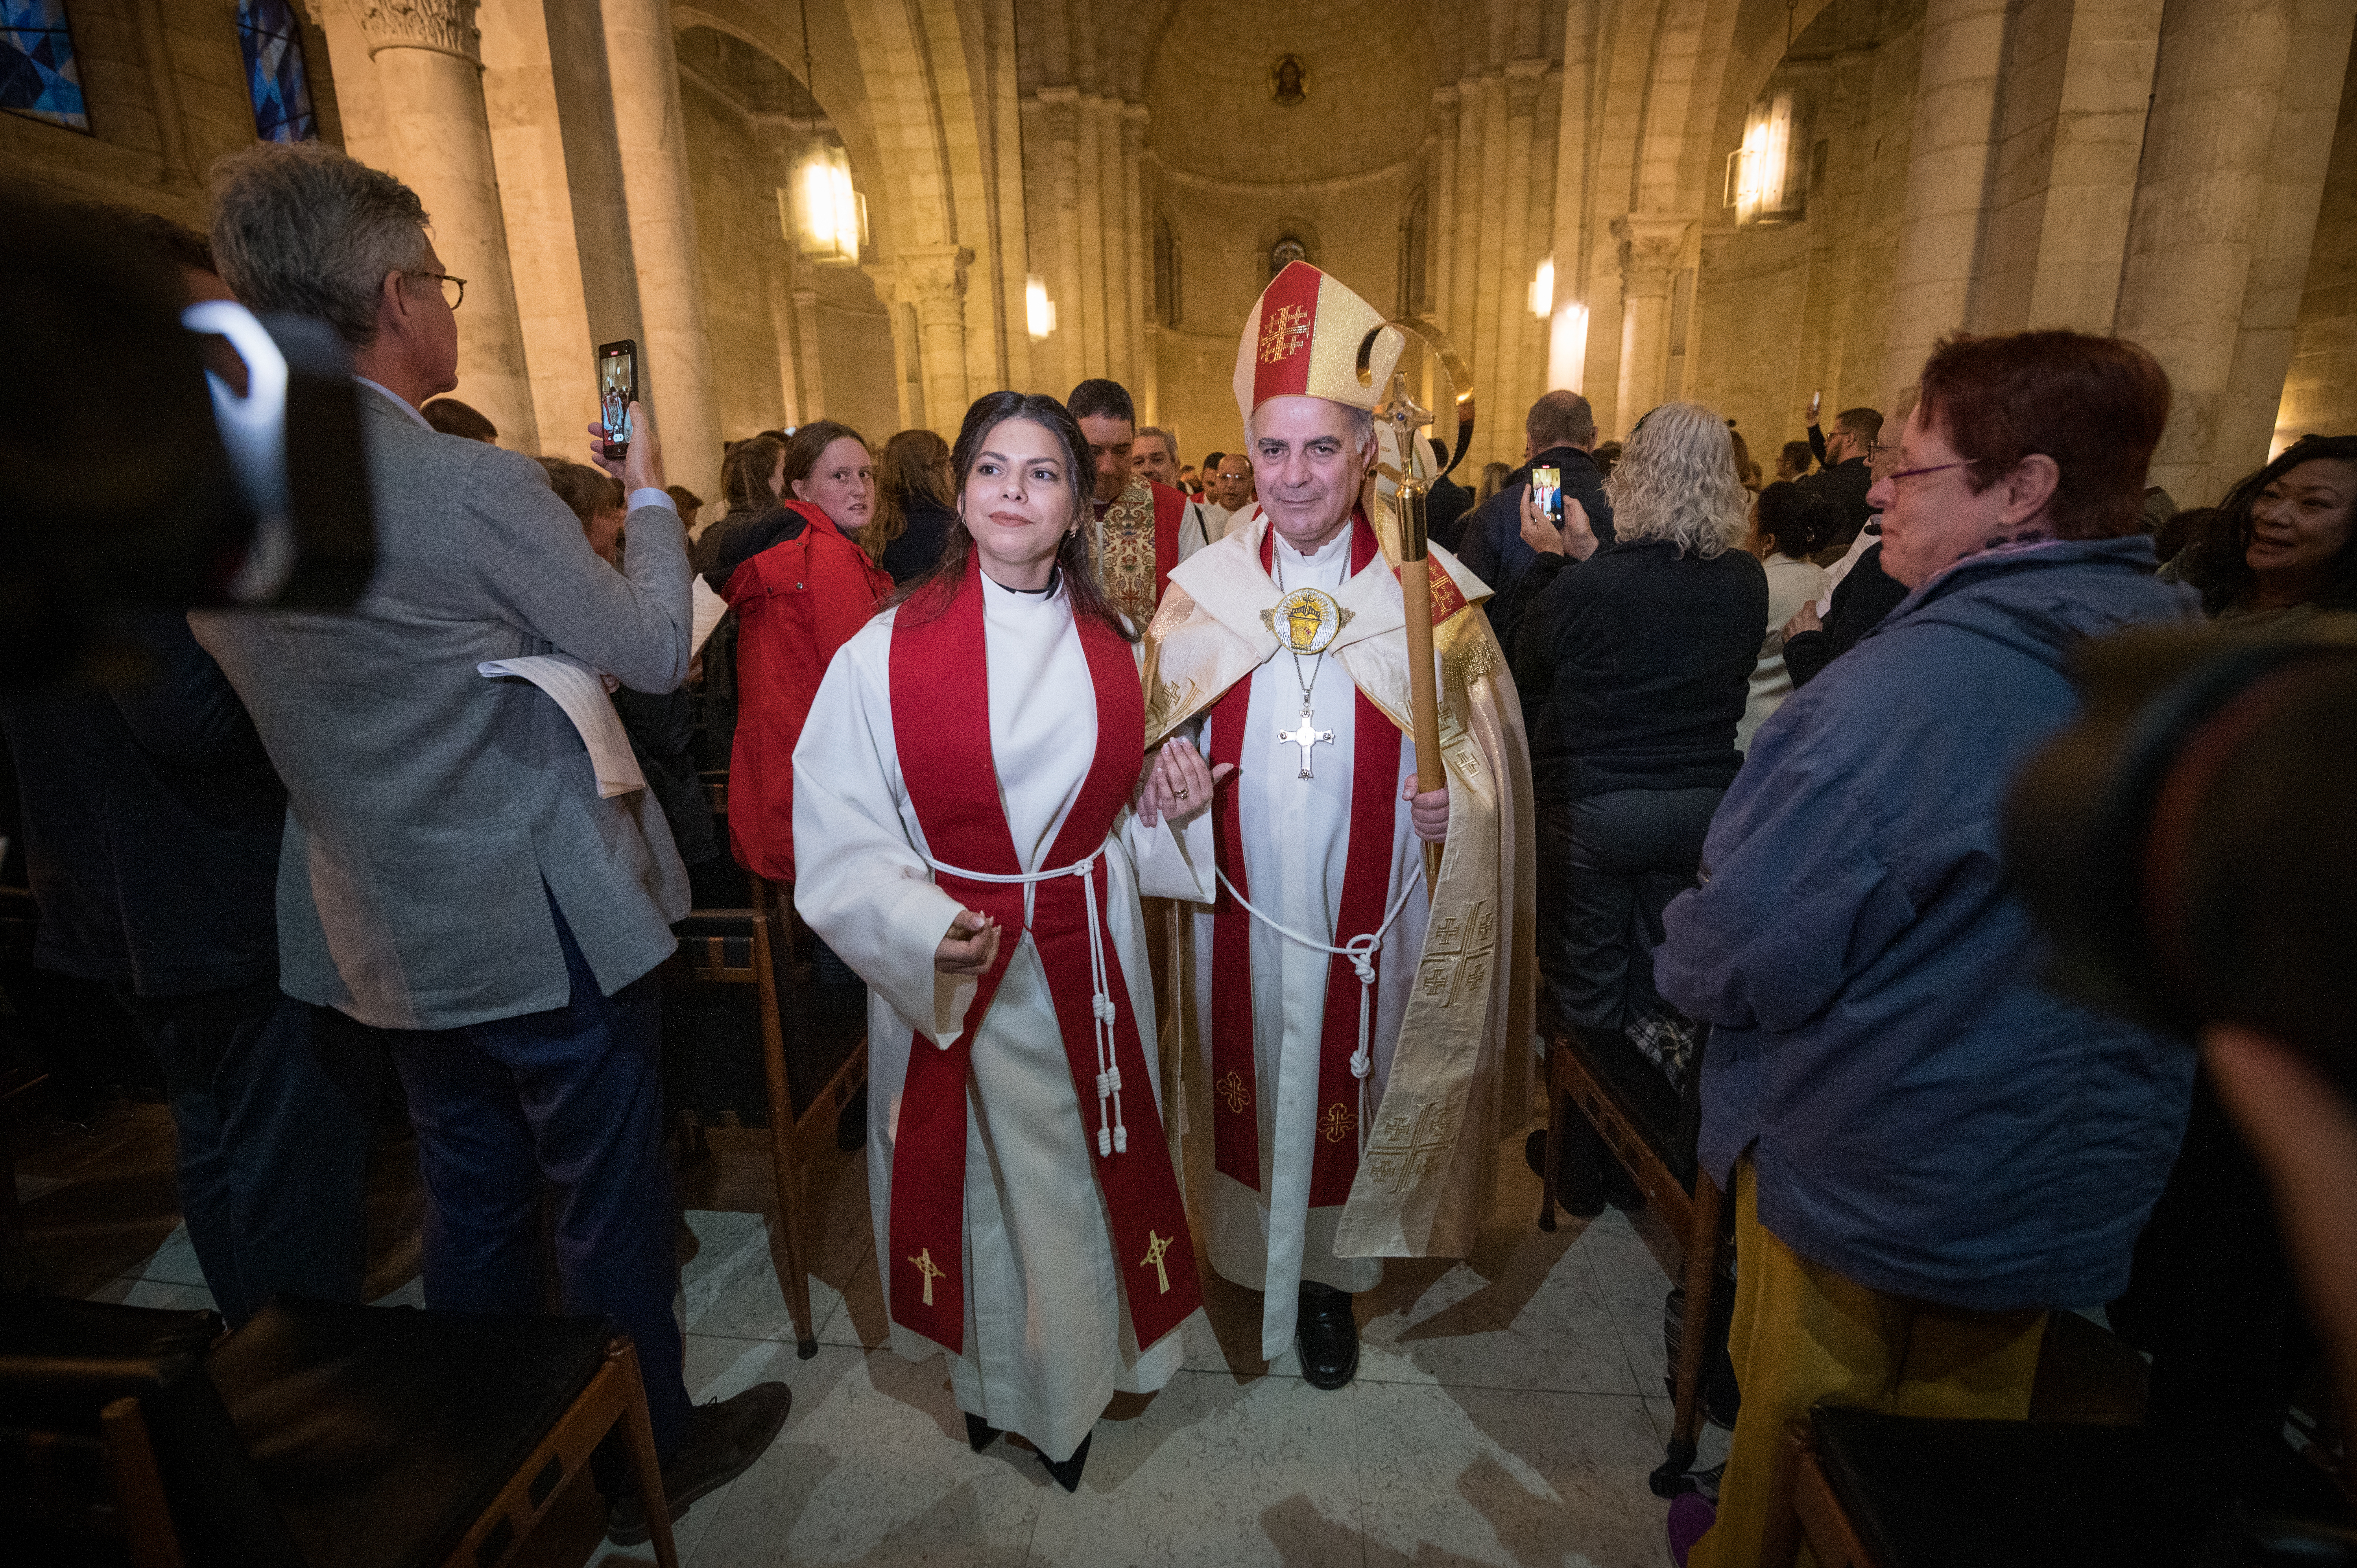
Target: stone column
(1139, 375)
(810, 375)
(1515, 380)
(1059, 107)
(1650, 248)
(1441, 238)
(934, 279)
(1465, 242)
(1492, 295)
(429, 72)
(1956, 97)
(653, 145)
(1099, 240)
(2198, 206)
(2099, 126)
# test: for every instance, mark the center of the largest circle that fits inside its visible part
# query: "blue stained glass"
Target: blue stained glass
(275, 77)
(38, 74)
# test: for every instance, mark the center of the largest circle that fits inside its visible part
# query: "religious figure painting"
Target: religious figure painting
(1289, 80)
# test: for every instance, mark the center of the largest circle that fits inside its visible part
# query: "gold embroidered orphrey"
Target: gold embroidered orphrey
(1426, 1180)
(1158, 1247)
(1125, 539)
(929, 1270)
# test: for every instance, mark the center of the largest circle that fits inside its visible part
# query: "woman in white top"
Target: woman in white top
(966, 840)
(1786, 525)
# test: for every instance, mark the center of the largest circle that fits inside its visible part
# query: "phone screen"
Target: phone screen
(618, 388)
(1546, 484)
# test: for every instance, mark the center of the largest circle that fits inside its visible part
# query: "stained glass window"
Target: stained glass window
(275, 77)
(37, 75)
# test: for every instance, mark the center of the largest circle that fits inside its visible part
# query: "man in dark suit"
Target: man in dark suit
(1845, 478)
(1558, 433)
(1446, 504)
(152, 821)
(457, 872)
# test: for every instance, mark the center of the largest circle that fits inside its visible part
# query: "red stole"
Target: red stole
(941, 720)
(1169, 516)
(1366, 879)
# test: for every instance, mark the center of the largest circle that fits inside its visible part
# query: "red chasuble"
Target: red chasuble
(941, 722)
(1366, 880)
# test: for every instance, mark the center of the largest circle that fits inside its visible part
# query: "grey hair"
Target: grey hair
(1675, 480)
(298, 227)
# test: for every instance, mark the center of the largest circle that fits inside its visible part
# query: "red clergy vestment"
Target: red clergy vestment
(940, 724)
(1366, 881)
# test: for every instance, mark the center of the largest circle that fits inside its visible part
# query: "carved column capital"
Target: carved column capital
(1445, 101)
(1649, 252)
(1524, 78)
(1060, 108)
(934, 280)
(445, 27)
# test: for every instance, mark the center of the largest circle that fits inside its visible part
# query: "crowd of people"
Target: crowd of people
(1099, 770)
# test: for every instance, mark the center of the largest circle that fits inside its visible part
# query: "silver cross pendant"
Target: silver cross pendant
(1305, 737)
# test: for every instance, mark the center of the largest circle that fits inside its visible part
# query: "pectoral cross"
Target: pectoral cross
(929, 1270)
(1156, 1249)
(1305, 737)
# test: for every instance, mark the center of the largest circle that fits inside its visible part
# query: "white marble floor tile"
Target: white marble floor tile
(1504, 1477)
(1633, 1283)
(1213, 1473)
(873, 1467)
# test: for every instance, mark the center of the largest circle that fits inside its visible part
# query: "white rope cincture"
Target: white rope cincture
(1113, 1134)
(1361, 951)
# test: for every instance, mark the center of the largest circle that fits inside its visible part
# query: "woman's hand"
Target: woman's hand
(1579, 539)
(1178, 783)
(972, 946)
(1803, 619)
(1427, 808)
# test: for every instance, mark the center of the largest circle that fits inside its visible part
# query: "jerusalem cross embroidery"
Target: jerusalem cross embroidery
(1405, 1151)
(1456, 952)
(1287, 334)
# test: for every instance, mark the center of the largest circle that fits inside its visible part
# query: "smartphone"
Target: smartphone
(618, 388)
(1546, 484)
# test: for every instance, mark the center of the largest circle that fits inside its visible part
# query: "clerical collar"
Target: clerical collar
(1055, 581)
(1321, 556)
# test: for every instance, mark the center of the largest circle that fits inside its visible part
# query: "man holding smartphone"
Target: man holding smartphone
(453, 875)
(1558, 433)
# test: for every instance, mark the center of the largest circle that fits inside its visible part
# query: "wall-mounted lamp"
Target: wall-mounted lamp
(1766, 184)
(825, 218)
(1542, 290)
(1039, 310)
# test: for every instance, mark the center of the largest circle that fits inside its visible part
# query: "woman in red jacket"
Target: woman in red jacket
(801, 585)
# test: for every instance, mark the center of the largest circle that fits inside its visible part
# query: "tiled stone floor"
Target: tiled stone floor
(1506, 1411)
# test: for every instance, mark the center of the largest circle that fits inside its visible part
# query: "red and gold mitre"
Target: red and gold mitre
(1302, 340)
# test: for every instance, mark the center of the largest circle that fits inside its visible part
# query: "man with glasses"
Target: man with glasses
(458, 874)
(1843, 481)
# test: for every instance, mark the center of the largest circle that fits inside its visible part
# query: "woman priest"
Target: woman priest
(962, 799)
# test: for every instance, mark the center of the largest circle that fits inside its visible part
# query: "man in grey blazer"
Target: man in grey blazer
(450, 873)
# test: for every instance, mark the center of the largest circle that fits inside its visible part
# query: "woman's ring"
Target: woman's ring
(1182, 794)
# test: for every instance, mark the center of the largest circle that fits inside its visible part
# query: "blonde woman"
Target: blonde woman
(1636, 659)
(1493, 477)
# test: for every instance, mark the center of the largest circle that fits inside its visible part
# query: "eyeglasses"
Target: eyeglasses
(454, 290)
(1898, 473)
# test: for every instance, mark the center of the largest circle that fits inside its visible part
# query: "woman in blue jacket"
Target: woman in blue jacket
(1926, 1149)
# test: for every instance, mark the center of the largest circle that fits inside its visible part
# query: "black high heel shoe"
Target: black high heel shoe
(1068, 1473)
(979, 1433)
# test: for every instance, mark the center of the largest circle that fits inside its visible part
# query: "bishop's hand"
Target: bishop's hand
(1429, 810)
(1178, 784)
(972, 946)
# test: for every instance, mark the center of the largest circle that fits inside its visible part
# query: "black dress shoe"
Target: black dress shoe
(724, 1438)
(1328, 1334)
(1068, 1472)
(979, 1433)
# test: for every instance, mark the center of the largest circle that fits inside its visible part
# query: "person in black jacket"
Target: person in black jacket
(1864, 596)
(1633, 668)
(1845, 478)
(1446, 504)
(1557, 433)
(914, 486)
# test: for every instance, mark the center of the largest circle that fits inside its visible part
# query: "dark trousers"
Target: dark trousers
(274, 1144)
(573, 1095)
(1608, 866)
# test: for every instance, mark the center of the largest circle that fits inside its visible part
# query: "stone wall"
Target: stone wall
(2320, 395)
